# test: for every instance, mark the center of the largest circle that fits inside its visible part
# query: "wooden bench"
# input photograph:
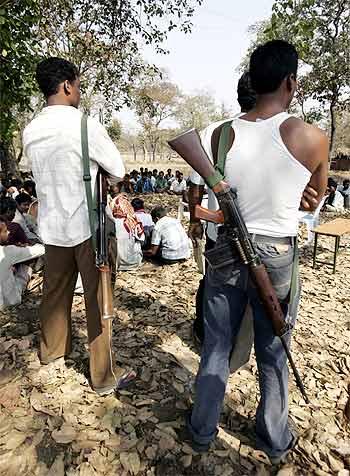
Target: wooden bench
(335, 228)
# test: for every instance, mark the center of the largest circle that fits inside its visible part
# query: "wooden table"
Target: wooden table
(335, 228)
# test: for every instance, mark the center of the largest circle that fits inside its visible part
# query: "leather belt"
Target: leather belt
(277, 240)
(273, 240)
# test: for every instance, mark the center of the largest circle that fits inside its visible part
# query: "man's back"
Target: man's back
(268, 178)
(170, 234)
(52, 142)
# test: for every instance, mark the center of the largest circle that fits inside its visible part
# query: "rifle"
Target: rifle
(100, 240)
(189, 147)
(102, 255)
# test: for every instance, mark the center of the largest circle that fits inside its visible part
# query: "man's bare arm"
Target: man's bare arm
(310, 146)
(195, 196)
(319, 151)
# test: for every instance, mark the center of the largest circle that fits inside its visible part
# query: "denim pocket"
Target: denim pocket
(278, 260)
(225, 264)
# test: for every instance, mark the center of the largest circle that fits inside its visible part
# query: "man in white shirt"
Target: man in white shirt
(178, 186)
(170, 242)
(52, 142)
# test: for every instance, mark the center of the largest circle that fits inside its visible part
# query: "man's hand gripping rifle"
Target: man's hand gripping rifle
(189, 147)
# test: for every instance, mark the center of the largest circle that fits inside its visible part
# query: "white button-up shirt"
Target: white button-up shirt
(52, 143)
(170, 235)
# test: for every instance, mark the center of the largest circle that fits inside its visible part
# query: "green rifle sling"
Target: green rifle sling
(87, 177)
(221, 148)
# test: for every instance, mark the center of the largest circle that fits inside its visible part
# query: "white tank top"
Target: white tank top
(268, 179)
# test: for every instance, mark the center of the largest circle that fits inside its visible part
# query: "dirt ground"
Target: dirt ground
(53, 424)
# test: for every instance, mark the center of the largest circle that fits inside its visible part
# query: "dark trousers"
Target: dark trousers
(198, 325)
(62, 265)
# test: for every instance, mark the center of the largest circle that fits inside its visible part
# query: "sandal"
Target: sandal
(123, 382)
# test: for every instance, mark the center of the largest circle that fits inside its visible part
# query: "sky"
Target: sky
(207, 58)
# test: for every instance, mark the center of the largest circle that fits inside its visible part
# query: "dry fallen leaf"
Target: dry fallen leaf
(66, 434)
(130, 462)
(57, 469)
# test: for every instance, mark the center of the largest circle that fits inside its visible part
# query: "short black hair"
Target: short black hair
(137, 204)
(7, 204)
(23, 198)
(332, 183)
(270, 64)
(51, 72)
(16, 182)
(246, 96)
(29, 186)
(158, 212)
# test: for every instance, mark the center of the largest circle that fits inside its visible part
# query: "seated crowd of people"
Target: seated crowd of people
(139, 235)
(145, 181)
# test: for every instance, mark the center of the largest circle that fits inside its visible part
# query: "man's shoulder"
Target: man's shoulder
(306, 142)
(300, 129)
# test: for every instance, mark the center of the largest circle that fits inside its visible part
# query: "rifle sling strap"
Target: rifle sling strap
(221, 142)
(87, 176)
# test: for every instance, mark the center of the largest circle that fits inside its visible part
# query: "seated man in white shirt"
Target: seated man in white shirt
(13, 281)
(170, 243)
(335, 200)
(179, 185)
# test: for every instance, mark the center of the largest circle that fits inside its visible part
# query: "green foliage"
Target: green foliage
(114, 130)
(198, 111)
(155, 101)
(17, 59)
(320, 31)
(104, 38)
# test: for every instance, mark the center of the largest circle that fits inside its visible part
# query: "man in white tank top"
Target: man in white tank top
(272, 160)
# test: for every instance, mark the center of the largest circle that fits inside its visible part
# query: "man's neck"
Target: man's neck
(268, 105)
(57, 100)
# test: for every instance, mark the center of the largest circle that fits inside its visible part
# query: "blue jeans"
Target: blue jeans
(227, 292)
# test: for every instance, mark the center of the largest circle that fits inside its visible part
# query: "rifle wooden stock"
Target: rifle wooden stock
(202, 213)
(268, 297)
(188, 145)
(107, 294)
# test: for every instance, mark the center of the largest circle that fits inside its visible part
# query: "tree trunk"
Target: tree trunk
(7, 161)
(333, 128)
(134, 152)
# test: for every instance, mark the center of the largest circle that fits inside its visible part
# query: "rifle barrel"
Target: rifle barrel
(294, 369)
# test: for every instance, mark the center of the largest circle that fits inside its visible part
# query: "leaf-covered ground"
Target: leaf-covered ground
(52, 423)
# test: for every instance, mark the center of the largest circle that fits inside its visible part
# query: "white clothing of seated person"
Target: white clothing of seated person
(14, 281)
(335, 200)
